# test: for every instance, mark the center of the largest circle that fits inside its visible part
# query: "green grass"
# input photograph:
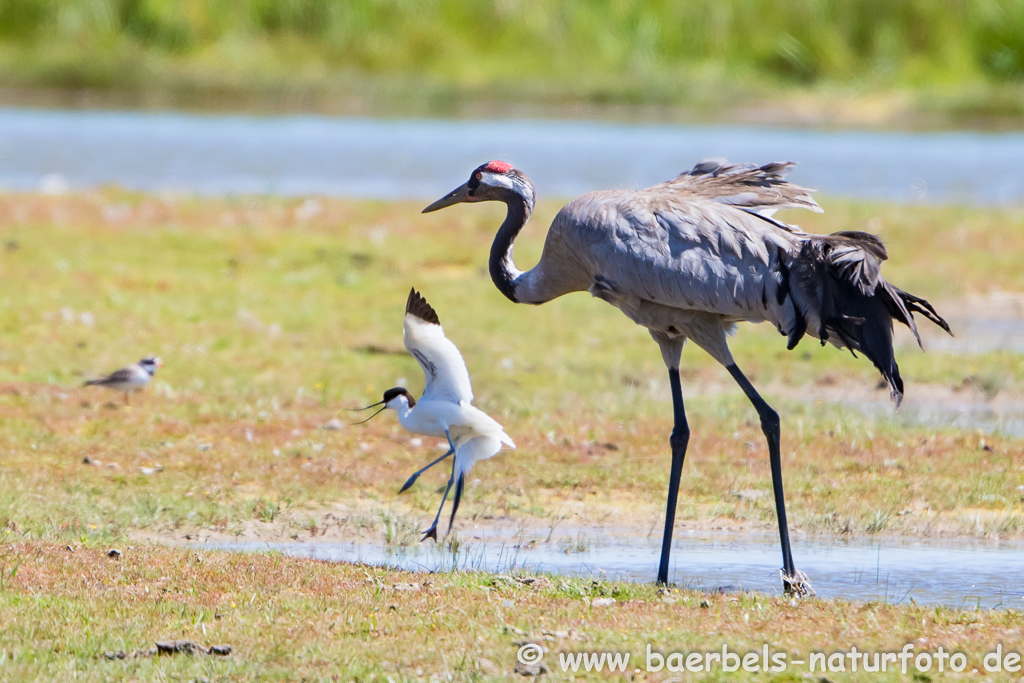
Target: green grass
(867, 60)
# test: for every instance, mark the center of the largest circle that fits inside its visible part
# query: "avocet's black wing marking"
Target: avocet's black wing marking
(445, 370)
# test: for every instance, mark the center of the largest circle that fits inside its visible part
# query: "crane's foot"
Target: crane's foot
(797, 585)
(430, 533)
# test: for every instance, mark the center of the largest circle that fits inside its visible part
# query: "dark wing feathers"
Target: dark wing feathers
(856, 259)
(865, 240)
(416, 305)
(915, 304)
(840, 275)
(116, 377)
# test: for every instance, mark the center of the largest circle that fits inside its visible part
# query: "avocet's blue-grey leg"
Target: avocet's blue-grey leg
(432, 531)
(678, 440)
(417, 473)
(455, 503)
(793, 581)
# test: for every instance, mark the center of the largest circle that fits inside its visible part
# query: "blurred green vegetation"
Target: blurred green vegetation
(958, 57)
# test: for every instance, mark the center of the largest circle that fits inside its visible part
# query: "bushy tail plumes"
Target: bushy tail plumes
(837, 282)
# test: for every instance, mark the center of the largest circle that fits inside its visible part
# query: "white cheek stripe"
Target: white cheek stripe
(496, 180)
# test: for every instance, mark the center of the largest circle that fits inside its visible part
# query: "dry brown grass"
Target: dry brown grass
(289, 618)
(165, 467)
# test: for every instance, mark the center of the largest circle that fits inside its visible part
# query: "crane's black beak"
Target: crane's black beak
(372, 405)
(456, 196)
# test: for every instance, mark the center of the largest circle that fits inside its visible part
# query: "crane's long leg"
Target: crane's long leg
(793, 581)
(679, 439)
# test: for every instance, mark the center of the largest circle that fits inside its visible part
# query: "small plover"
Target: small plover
(130, 378)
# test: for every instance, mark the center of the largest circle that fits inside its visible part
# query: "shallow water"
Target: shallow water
(952, 573)
(422, 159)
(1003, 417)
(981, 334)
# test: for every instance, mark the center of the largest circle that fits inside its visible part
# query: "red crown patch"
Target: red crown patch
(498, 167)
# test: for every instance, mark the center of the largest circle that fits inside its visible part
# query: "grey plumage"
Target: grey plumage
(691, 257)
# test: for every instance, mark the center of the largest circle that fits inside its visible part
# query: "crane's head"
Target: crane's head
(493, 181)
(397, 399)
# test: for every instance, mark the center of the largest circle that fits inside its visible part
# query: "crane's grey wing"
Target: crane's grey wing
(686, 253)
(445, 370)
(762, 189)
(704, 240)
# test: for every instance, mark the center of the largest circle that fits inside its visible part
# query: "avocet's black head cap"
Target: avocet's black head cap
(392, 394)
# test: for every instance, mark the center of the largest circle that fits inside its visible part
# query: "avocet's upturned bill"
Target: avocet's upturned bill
(445, 409)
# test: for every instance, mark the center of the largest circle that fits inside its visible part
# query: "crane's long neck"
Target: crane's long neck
(507, 278)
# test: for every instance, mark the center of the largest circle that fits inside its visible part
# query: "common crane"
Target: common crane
(691, 257)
